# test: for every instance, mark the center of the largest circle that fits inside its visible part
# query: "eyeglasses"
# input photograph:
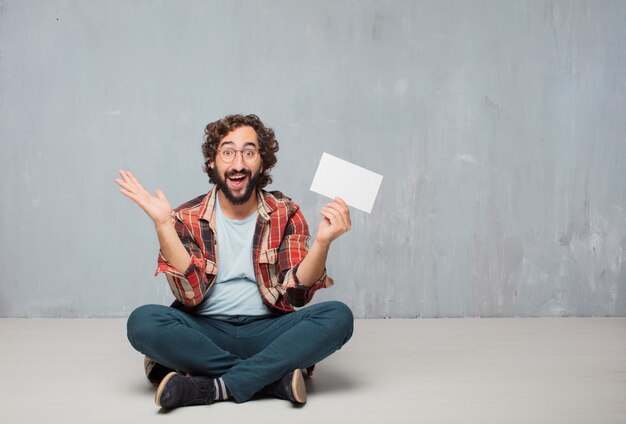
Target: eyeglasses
(228, 154)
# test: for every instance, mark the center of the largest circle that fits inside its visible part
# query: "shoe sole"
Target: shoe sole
(148, 367)
(298, 388)
(159, 392)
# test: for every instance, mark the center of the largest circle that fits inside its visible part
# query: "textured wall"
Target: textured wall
(498, 126)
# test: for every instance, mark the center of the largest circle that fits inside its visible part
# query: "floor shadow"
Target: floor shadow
(329, 379)
(145, 386)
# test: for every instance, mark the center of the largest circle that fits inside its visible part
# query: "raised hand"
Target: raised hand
(157, 207)
(335, 222)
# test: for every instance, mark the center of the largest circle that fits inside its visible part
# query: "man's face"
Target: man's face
(239, 178)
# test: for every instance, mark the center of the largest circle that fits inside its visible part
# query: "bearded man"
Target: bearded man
(238, 263)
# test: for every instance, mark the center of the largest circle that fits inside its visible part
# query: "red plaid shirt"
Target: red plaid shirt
(280, 243)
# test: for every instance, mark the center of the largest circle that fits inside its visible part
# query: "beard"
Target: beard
(253, 183)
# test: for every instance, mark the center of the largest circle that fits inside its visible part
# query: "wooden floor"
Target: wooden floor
(521, 370)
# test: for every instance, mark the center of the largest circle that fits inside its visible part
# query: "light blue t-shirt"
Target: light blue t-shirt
(235, 290)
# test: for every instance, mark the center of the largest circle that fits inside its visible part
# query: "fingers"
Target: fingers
(131, 183)
(123, 184)
(128, 194)
(125, 176)
(336, 217)
(157, 207)
(130, 180)
(128, 191)
(161, 195)
(345, 211)
(341, 208)
(340, 200)
(134, 180)
(130, 187)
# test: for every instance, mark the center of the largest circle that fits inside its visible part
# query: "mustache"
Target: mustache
(244, 172)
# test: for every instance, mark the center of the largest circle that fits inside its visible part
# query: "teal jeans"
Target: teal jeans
(247, 352)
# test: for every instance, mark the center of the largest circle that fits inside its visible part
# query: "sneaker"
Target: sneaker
(155, 372)
(182, 390)
(291, 387)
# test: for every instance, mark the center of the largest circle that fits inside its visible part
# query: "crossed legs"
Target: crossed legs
(248, 353)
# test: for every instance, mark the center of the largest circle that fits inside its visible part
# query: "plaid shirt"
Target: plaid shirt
(280, 243)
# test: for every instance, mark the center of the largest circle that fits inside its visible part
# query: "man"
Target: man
(237, 262)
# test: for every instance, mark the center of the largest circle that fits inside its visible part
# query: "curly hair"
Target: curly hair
(216, 131)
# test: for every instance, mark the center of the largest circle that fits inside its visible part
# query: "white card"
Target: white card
(337, 177)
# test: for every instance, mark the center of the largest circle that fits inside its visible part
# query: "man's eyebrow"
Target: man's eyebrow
(246, 144)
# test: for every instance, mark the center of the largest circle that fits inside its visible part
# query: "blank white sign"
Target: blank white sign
(354, 184)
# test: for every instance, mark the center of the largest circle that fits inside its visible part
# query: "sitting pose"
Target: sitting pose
(237, 261)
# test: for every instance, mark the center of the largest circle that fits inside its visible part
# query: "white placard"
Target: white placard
(354, 184)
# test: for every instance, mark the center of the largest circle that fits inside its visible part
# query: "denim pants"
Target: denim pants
(247, 352)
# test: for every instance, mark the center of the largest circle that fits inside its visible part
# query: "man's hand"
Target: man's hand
(157, 207)
(335, 222)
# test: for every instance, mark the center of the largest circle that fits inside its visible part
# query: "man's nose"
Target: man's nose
(238, 161)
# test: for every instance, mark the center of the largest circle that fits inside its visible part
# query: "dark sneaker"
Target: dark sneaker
(155, 372)
(290, 387)
(180, 390)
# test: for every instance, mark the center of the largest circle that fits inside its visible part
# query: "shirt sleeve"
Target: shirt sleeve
(293, 249)
(190, 286)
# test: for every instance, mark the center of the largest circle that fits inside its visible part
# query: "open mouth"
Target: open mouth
(237, 181)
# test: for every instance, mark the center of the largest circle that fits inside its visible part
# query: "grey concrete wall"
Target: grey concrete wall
(498, 126)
